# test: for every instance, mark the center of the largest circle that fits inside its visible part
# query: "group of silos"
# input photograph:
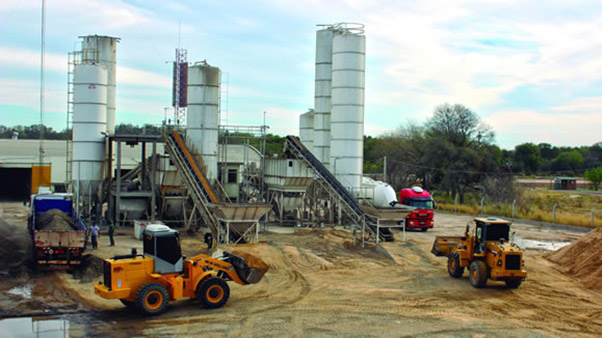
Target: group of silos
(94, 78)
(334, 130)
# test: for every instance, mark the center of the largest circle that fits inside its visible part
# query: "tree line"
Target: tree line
(454, 151)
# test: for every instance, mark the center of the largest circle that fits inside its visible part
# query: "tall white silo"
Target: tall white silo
(347, 117)
(322, 98)
(202, 118)
(306, 129)
(89, 124)
(103, 50)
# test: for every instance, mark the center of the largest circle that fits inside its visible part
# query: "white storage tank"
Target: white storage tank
(89, 122)
(202, 118)
(378, 193)
(306, 129)
(322, 103)
(347, 117)
(103, 50)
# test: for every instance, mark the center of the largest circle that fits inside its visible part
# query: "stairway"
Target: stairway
(294, 147)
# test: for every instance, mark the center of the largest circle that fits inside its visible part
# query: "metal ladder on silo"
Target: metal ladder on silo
(198, 187)
(326, 179)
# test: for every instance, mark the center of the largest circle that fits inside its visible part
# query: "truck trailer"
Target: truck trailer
(58, 237)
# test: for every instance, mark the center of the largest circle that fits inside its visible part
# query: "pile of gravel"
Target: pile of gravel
(54, 220)
(15, 247)
(90, 270)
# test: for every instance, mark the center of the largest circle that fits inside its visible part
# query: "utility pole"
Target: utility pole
(42, 48)
(385, 169)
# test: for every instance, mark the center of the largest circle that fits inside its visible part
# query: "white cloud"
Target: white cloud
(519, 126)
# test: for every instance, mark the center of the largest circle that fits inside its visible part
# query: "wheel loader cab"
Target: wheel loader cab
(163, 245)
(490, 229)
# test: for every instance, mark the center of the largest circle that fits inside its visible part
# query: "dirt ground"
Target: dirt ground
(319, 284)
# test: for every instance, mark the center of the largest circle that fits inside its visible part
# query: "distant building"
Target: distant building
(565, 183)
(18, 157)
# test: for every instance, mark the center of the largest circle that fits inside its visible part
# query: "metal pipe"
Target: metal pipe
(153, 178)
(481, 209)
(118, 185)
(554, 213)
(403, 238)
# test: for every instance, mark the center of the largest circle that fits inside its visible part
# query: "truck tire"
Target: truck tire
(478, 274)
(151, 299)
(513, 283)
(213, 293)
(453, 266)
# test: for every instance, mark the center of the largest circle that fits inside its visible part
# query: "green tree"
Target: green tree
(458, 148)
(569, 160)
(459, 125)
(527, 157)
(594, 176)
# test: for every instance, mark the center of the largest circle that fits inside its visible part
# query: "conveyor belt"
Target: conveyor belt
(298, 150)
(199, 188)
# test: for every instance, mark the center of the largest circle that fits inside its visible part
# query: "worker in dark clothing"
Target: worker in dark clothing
(111, 233)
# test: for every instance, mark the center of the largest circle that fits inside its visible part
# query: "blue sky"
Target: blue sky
(533, 72)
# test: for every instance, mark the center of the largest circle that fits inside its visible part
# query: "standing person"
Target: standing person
(95, 231)
(111, 233)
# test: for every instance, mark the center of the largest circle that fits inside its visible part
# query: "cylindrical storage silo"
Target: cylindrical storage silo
(322, 103)
(89, 124)
(306, 129)
(347, 117)
(103, 50)
(202, 118)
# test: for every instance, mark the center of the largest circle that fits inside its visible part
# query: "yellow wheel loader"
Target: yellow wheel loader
(147, 282)
(486, 252)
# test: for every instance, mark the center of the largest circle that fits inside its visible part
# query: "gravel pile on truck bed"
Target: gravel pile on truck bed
(54, 220)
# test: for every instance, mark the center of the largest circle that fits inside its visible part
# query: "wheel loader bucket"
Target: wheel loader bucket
(445, 245)
(249, 268)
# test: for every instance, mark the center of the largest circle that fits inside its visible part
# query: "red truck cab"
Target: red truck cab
(422, 217)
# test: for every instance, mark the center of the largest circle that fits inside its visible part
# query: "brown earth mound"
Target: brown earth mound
(582, 259)
(55, 220)
(15, 246)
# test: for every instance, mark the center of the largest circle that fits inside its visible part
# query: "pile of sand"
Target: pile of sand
(15, 246)
(91, 268)
(582, 259)
(55, 220)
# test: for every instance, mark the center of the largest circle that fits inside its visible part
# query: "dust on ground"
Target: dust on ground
(320, 284)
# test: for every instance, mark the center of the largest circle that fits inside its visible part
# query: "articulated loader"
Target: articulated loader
(147, 282)
(486, 252)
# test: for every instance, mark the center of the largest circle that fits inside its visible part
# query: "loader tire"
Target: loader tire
(213, 293)
(478, 274)
(151, 299)
(453, 266)
(513, 283)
